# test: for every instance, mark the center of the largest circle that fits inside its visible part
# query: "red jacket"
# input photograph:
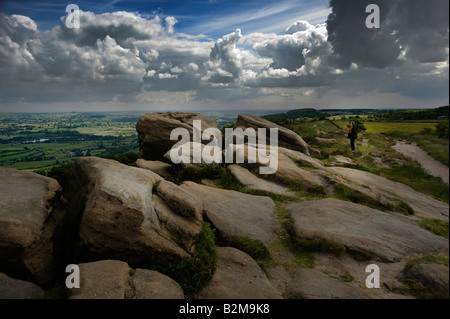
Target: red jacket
(352, 133)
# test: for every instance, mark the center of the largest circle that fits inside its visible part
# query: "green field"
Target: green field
(406, 127)
(385, 126)
(38, 142)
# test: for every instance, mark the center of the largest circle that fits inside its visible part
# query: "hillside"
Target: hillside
(161, 229)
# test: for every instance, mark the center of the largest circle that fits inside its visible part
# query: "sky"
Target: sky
(222, 55)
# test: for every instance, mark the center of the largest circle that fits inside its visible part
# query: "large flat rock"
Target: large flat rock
(30, 210)
(360, 228)
(114, 279)
(300, 157)
(286, 138)
(237, 214)
(288, 170)
(285, 163)
(313, 284)
(237, 276)
(158, 167)
(248, 180)
(384, 190)
(130, 213)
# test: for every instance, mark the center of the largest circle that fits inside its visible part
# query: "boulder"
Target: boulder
(301, 158)
(313, 284)
(284, 162)
(126, 215)
(236, 214)
(431, 276)
(384, 190)
(149, 284)
(11, 288)
(286, 138)
(106, 279)
(194, 159)
(31, 209)
(180, 200)
(154, 131)
(360, 228)
(237, 276)
(114, 279)
(248, 180)
(288, 170)
(158, 167)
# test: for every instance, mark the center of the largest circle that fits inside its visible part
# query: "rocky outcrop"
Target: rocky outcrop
(126, 215)
(286, 137)
(161, 168)
(195, 159)
(236, 214)
(31, 210)
(288, 171)
(154, 131)
(149, 284)
(360, 228)
(248, 180)
(301, 158)
(432, 276)
(385, 191)
(133, 218)
(113, 279)
(180, 200)
(288, 164)
(11, 288)
(237, 276)
(313, 284)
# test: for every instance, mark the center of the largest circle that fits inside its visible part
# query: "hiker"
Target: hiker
(352, 135)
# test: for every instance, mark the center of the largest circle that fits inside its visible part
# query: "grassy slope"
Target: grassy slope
(401, 169)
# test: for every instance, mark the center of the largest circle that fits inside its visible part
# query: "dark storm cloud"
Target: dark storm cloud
(417, 28)
(423, 28)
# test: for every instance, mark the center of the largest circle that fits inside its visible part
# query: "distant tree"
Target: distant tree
(442, 129)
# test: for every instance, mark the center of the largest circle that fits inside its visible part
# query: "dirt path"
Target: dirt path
(432, 166)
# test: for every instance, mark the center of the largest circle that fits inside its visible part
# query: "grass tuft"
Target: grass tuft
(346, 193)
(436, 226)
(415, 288)
(255, 248)
(319, 245)
(347, 277)
(442, 259)
(196, 174)
(195, 272)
